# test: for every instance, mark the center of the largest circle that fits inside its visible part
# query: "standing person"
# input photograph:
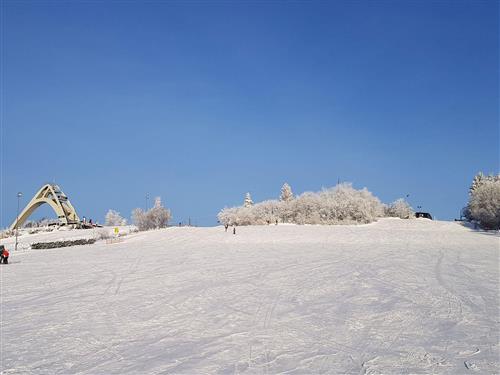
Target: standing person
(226, 226)
(5, 256)
(2, 247)
(234, 230)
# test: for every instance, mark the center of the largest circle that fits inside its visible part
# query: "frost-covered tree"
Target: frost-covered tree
(228, 216)
(266, 212)
(305, 209)
(259, 214)
(400, 208)
(248, 201)
(484, 203)
(344, 204)
(480, 179)
(113, 218)
(286, 206)
(156, 217)
(159, 215)
(476, 182)
(286, 193)
(140, 219)
(339, 205)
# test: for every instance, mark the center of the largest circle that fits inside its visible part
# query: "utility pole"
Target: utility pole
(147, 198)
(19, 195)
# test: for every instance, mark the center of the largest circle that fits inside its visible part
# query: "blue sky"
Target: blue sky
(200, 102)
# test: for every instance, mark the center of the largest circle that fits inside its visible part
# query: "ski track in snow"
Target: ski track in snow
(392, 297)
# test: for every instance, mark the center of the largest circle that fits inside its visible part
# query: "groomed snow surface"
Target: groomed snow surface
(392, 297)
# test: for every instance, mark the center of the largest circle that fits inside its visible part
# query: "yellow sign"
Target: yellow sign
(116, 230)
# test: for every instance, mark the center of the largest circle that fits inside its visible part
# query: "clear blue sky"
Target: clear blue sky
(200, 102)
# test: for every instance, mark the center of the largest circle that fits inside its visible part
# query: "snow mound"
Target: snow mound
(27, 237)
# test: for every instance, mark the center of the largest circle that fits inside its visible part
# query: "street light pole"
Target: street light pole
(19, 195)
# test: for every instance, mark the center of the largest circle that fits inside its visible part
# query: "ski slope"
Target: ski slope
(392, 297)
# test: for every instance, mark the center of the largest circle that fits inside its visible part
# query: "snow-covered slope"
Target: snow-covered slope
(396, 296)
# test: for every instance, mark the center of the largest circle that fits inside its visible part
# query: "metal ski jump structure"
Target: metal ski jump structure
(55, 198)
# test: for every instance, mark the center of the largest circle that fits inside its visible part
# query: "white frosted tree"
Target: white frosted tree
(266, 212)
(399, 208)
(156, 217)
(286, 193)
(476, 182)
(113, 218)
(304, 209)
(139, 218)
(484, 203)
(480, 179)
(229, 216)
(248, 201)
(339, 205)
(159, 215)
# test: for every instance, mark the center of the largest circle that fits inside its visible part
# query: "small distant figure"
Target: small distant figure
(234, 230)
(179, 223)
(4, 257)
(268, 222)
(90, 222)
(276, 221)
(84, 220)
(226, 226)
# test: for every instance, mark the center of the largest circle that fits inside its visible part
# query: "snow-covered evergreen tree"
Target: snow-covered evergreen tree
(113, 218)
(248, 201)
(286, 193)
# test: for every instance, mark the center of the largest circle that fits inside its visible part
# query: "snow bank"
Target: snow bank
(26, 239)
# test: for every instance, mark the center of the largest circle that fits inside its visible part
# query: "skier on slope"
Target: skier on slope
(4, 256)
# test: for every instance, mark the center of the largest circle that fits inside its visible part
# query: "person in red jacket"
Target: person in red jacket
(4, 257)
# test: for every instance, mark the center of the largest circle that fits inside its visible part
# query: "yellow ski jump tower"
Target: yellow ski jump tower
(53, 196)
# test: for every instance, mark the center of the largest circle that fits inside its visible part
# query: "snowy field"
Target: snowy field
(393, 297)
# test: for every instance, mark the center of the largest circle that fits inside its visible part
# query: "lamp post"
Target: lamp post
(19, 195)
